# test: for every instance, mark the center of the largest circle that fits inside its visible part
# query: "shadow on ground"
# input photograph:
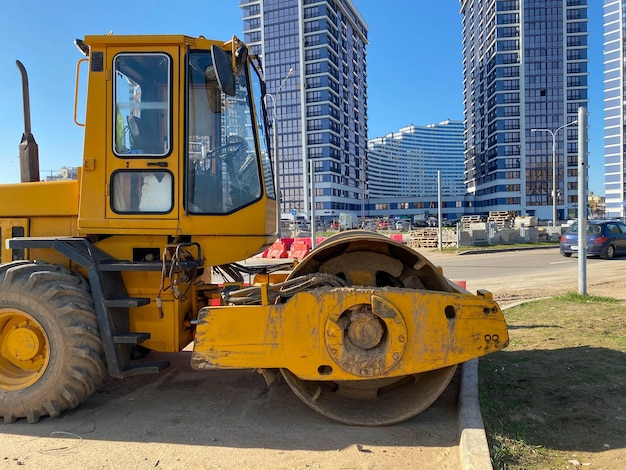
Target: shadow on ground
(230, 409)
(562, 399)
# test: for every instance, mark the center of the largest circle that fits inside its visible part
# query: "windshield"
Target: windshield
(223, 173)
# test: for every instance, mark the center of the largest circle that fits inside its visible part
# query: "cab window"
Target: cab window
(266, 163)
(142, 105)
(223, 173)
(134, 191)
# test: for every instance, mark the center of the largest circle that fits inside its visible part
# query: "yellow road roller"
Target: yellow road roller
(176, 186)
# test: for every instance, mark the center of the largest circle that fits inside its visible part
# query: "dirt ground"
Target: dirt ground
(185, 419)
(610, 281)
(615, 288)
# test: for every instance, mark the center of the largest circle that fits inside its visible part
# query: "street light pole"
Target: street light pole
(276, 165)
(554, 133)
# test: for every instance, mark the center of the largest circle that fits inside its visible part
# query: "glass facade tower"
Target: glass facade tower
(525, 75)
(614, 108)
(405, 164)
(321, 110)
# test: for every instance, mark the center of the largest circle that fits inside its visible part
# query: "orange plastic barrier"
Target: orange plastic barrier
(305, 240)
(461, 283)
(277, 250)
(287, 242)
(298, 250)
(319, 240)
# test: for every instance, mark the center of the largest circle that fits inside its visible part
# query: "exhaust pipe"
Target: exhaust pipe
(29, 150)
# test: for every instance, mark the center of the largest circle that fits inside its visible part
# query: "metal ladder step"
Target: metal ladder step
(152, 368)
(131, 338)
(128, 302)
(146, 266)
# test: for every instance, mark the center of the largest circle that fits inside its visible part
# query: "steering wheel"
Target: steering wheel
(228, 150)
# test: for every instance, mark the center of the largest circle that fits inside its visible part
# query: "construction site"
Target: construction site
(498, 228)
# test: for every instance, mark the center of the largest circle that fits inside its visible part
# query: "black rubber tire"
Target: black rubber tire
(567, 255)
(609, 253)
(60, 305)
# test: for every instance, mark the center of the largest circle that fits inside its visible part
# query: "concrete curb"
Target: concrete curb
(504, 250)
(473, 448)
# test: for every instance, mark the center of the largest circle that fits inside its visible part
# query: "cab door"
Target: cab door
(142, 160)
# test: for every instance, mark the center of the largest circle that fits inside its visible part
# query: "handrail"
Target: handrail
(81, 124)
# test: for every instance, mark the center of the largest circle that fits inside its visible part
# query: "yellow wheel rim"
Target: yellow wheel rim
(24, 350)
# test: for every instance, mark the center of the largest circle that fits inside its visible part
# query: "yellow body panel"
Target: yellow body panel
(304, 334)
(45, 198)
(42, 209)
(7, 227)
(170, 328)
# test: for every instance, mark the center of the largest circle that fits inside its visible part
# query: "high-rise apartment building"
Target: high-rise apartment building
(614, 108)
(525, 75)
(321, 110)
(405, 169)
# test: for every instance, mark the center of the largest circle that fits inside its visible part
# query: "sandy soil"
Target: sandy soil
(186, 419)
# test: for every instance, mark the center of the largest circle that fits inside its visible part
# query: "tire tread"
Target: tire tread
(67, 299)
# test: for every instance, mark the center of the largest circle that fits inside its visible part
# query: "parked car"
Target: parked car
(369, 225)
(605, 238)
(403, 225)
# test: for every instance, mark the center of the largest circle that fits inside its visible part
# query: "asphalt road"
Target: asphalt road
(531, 269)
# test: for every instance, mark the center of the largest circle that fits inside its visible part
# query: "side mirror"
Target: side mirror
(223, 70)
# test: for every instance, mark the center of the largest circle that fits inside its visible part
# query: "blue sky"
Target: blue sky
(414, 65)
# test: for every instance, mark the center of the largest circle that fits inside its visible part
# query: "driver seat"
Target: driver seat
(142, 137)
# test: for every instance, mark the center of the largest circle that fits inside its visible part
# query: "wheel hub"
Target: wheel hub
(25, 342)
(24, 351)
(367, 340)
(364, 330)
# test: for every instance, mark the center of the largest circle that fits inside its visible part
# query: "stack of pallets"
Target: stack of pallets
(424, 238)
(502, 218)
(429, 238)
(468, 220)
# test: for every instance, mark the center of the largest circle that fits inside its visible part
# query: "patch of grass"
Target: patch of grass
(558, 389)
(510, 246)
(583, 299)
(487, 248)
